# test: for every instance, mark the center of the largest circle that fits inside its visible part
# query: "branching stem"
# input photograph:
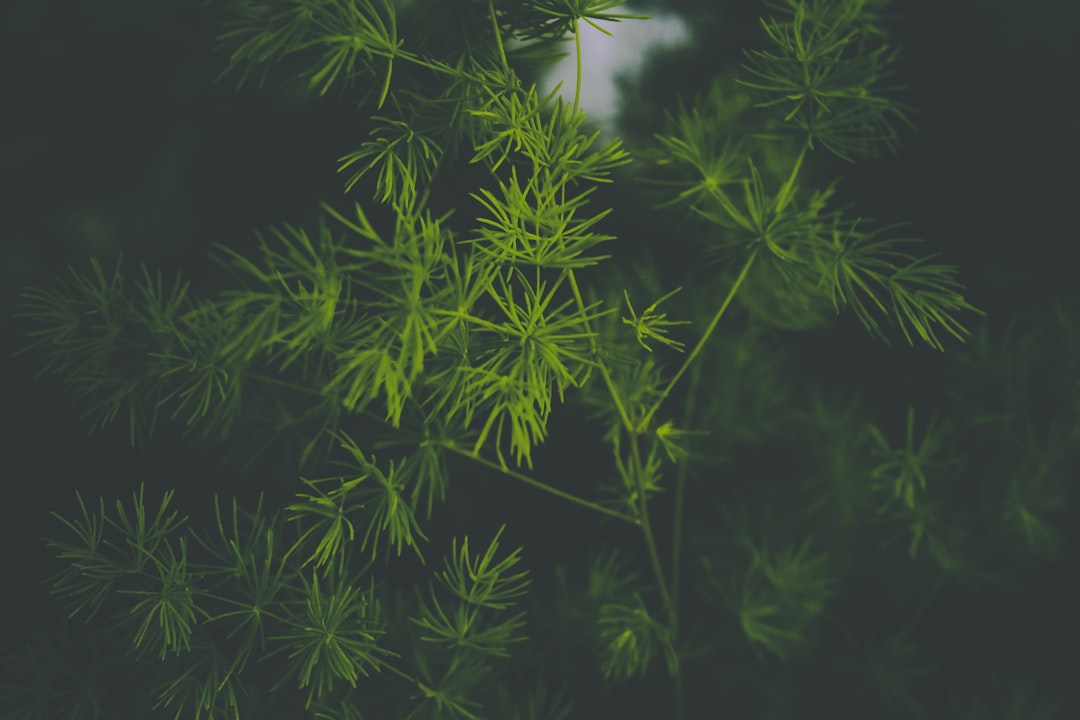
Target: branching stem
(498, 35)
(577, 54)
(429, 692)
(620, 406)
(646, 527)
(647, 418)
(537, 483)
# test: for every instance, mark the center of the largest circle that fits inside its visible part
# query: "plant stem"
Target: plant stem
(644, 424)
(612, 390)
(666, 595)
(646, 525)
(498, 35)
(430, 693)
(787, 191)
(577, 53)
(676, 539)
(680, 496)
(450, 445)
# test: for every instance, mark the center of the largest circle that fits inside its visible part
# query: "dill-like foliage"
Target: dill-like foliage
(446, 336)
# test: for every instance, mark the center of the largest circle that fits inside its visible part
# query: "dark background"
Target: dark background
(115, 138)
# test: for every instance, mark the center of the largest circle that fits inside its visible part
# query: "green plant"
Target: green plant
(404, 341)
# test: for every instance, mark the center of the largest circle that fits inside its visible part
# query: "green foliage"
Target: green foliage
(98, 564)
(534, 218)
(825, 69)
(1010, 699)
(556, 18)
(653, 325)
(207, 686)
(331, 636)
(700, 141)
(442, 323)
(891, 667)
(608, 576)
(57, 673)
(375, 494)
(345, 40)
(904, 469)
(97, 331)
(629, 638)
(1037, 491)
(868, 275)
(168, 608)
(476, 584)
(778, 595)
(401, 158)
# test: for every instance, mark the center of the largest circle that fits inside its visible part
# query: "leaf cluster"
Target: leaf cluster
(256, 599)
(826, 70)
(814, 256)
(479, 591)
(338, 42)
(453, 311)
(778, 595)
(373, 496)
(556, 18)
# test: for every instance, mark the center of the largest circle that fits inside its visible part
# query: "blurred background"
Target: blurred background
(117, 139)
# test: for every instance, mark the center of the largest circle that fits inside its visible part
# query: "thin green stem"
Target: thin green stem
(676, 538)
(788, 189)
(498, 35)
(646, 526)
(577, 53)
(680, 495)
(666, 596)
(261, 612)
(451, 446)
(647, 418)
(612, 390)
(348, 40)
(431, 693)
